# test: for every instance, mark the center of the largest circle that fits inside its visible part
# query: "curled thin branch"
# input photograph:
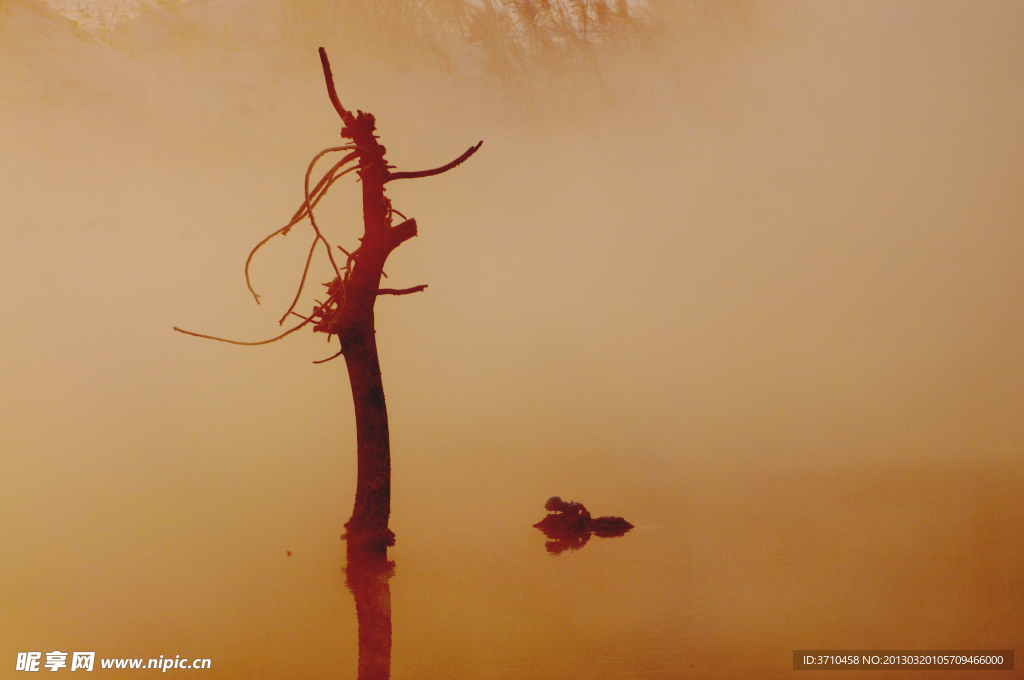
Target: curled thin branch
(261, 342)
(309, 212)
(302, 282)
(333, 356)
(401, 291)
(436, 171)
(319, 191)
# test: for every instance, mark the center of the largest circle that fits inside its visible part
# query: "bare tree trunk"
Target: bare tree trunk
(354, 326)
(373, 477)
(355, 329)
(368, 525)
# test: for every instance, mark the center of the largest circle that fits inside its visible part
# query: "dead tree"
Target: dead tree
(348, 312)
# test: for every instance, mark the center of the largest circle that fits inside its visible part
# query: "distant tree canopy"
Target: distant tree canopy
(538, 50)
(513, 42)
(506, 35)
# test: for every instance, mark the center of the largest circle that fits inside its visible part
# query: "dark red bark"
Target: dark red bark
(367, 577)
(354, 325)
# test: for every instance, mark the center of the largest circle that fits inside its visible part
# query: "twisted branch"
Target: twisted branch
(309, 211)
(261, 342)
(333, 356)
(302, 282)
(320, 190)
(436, 171)
(326, 314)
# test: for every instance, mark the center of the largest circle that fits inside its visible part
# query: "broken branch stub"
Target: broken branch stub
(402, 291)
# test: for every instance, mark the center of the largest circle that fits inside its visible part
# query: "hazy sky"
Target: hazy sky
(809, 250)
(804, 249)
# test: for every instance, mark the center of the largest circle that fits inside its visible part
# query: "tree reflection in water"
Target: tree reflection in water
(366, 575)
(568, 527)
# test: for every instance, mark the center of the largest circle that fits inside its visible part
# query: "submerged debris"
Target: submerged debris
(569, 525)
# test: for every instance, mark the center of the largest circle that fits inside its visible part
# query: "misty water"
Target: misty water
(759, 294)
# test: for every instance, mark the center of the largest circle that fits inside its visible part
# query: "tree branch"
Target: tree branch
(333, 356)
(261, 342)
(436, 171)
(305, 272)
(400, 291)
(346, 116)
(400, 233)
(320, 190)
